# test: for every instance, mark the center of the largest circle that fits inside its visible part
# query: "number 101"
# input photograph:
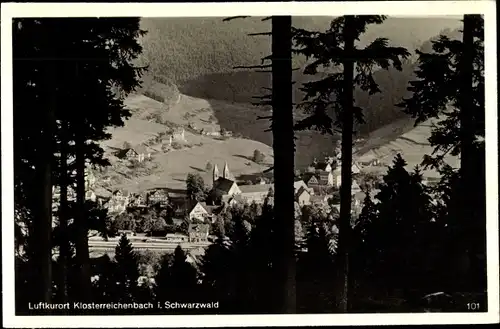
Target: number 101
(473, 306)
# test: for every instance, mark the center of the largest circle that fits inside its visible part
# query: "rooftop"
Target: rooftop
(256, 188)
(140, 149)
(321, 165)
(223, 184)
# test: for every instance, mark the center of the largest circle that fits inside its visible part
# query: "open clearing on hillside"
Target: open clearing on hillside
(174, 166)
(412, 145)
(170, 169)
(135, 131)
(240, 118)
(184, 111)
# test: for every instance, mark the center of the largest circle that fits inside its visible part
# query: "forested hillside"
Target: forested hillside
(198, 55)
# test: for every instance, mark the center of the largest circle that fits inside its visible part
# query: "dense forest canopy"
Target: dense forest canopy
(199, 56)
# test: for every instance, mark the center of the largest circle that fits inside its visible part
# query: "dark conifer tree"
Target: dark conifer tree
(91, 65)
(63, 215)
(106, 288)
(216, 269)
(260, 263)
(34, 98)
(282, 121)
(333, 96)
(177, 279)
(127, 270)
(283, 150)
(315, 288)
(238, 257)
(404, 211)
(455, 70)
(368, 215)
(361, 264)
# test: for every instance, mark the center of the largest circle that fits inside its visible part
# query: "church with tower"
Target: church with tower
(226, 174)
(227, 190)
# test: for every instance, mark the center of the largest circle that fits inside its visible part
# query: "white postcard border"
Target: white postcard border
(395, 8)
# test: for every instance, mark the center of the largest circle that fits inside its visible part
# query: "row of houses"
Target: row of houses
(138, 153)
(120, 200)
(214, 133)
(141, 153)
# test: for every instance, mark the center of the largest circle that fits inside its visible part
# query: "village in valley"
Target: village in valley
(160, 218)
(179, 182)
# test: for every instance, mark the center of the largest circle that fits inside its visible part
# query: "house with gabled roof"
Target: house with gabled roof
(201, 212)
(137, 152)
(310, 179)
(139, 200)
(300, 183)
(323, 166)
(303, 197)
(225, 186)
(158, 197)
(120, 195)
(320, 181)
(232, 200)
(116, 206)
(326, 178)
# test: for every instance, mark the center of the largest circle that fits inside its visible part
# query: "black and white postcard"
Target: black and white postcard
(249, 163)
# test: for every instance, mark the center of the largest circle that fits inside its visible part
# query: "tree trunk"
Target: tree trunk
(42, 226)
(64, 248)
(346, 173)
(471, 217)
(283, 148)
(81, 243)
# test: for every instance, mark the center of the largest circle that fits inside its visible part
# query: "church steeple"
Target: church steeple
(226, 173)
(215, 174)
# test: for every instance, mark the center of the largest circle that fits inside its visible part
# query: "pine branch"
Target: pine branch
(259, 33)
(253, 67)
(263, 103)
(233, 17)
(262, 97)
(268, 169)
(266, 18)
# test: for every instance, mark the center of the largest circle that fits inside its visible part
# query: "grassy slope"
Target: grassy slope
(170, 169)
(412, 144)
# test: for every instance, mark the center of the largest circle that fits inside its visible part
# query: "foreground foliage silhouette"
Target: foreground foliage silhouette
(330, 102)
(92, 66)
(456, 70)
